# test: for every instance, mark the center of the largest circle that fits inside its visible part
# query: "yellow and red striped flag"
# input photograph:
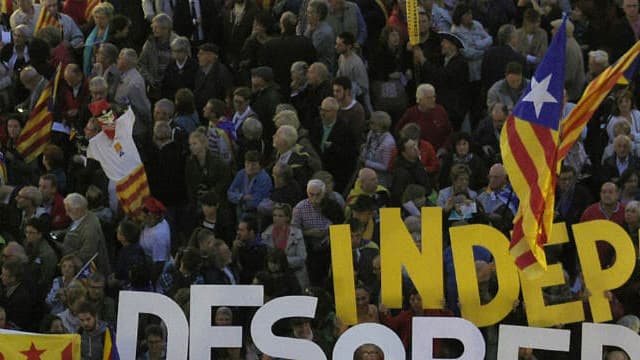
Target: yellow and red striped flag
(37, 131)
(109, 351)
(91, 4)
(121, 162)
(528, 144)
(7, 7)
(46, 19)
(19, 345)
(619, 73)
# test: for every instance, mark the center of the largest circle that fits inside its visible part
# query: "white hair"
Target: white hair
(424, 89)
(289, 134)
(76, 201)
(600, 57)
(317, 184)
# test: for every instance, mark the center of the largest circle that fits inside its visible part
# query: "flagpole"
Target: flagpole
(83, 267)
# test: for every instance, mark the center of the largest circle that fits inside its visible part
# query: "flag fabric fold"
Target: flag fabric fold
(110, 351)
(621, 72)
(46, 19)
(21, 345)
(528, 143)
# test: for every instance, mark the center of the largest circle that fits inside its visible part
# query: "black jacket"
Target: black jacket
(406, 173)
(175, 78)
(215, 84)
(281, 52)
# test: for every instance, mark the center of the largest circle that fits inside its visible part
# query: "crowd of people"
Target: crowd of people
(261, 123)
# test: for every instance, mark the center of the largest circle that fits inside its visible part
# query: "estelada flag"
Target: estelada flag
(31, 346)
(528, 143)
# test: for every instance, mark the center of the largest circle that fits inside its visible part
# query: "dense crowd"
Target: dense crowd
(261, 123)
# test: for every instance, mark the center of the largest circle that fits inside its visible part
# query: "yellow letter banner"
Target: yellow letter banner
(30, 346)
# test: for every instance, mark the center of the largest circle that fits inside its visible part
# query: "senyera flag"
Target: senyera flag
(21, 345)
(528, 143)
(37, 131)
(621, 72)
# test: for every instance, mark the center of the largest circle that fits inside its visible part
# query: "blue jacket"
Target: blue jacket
(259, 188)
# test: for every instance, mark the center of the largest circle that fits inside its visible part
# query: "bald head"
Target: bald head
(368, 180)
(497, 177)
(329, 110)
(29, 77)
(617, 355)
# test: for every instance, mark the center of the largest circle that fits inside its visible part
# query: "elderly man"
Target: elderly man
(29, 200)
(26, 14)
(156, 53)
(498, 199)
(35, 83)
(71, 33)
(621, 160)
(451, 77)
(84, 238)
(166, 182)
(310, 215)
(182, 68)
(430, 116)
(284, 142)
(213, 79)
(608, 208)
(15, 56)
(132, 91)
(319, 87)
(487, 135)
(321, 33)
(75, 98)
(337, 145)
(597, 62)
(367, 185)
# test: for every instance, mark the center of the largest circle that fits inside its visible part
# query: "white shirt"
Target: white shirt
(156, 241)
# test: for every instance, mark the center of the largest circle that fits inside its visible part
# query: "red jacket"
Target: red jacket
(59, 218)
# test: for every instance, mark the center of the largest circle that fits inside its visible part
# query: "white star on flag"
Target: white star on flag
(539, 94)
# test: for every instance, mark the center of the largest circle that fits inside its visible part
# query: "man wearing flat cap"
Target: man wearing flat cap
(155, 237)
(450, 78)
(264, 99)
(213, 79)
